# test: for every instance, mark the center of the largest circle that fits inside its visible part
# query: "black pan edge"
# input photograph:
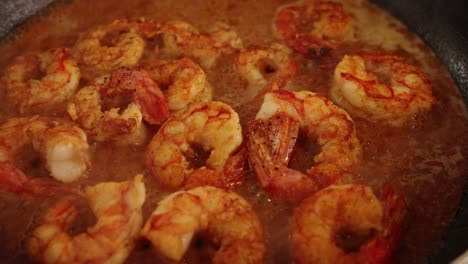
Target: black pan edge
(441, 24)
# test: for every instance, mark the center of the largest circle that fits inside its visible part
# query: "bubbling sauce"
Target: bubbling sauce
(425, 160)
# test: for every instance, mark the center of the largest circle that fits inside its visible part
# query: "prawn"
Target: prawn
(346, 224)
(63, 147)
(182, 39)
(149, 103)
(97, 57)
(185, 81)
(227, 218)
(266, 68)
(209, 127)
(272, 135)
(117, 207)
(381, 88)
(38, 82)
(313, 28)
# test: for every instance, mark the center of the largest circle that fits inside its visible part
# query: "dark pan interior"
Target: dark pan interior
(441, 24)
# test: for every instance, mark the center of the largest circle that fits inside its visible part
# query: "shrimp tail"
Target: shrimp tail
(270, 143)
(381, 250)
(151, 100)
(237, 168)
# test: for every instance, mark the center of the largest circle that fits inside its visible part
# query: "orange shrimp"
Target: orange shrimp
(117, 207)
(59, 83)
(182, 39)
(381, 87)
(272, 136)
(347, 224)
(63, 147)
(149, 103)
(97, 57)
(229, 220)
(313, 28)
(210, 127)
(266, 68)
(186, 82)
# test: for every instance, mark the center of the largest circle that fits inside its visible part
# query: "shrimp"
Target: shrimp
(346, 224)
(313, 28)
(185, 81)
(271, 138)
(117, 207)
(209, 127)
(96, 57)
(149, 103)
(63, 147)
(381, 88)
(38, 82)
(227, 218)
(183, 39)
(266, 69)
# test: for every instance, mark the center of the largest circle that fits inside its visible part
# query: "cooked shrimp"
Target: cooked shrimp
(381, 88)
(266, 69)
(98, 57)
(148, 103)
(271, 138)
(346, 224)
(183, 39)
(185, 81)
(117, 207)
(61, 145)
(227, 218)
(37, 82)
(212, 127)
(313, 28)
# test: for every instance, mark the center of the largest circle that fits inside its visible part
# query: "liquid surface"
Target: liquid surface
(425, 160)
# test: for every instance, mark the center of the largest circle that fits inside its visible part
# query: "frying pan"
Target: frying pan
(439, 23)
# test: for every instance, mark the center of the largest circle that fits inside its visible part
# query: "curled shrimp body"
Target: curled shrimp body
(272, 135)
(62, 146)
(381, 88)
(117, 207)
(313, 28)
(212, 127)
(181, 39)
(227, 218)
(185, 81)
(97, 57)
(346, 224)
(148, 103)
(266, 69)
(28, 93)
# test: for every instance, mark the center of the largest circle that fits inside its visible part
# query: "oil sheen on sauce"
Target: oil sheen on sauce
(425, 161)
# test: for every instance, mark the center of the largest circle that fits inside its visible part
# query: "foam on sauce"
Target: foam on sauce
(426, 161)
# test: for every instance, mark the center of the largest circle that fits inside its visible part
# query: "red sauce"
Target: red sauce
(425, 161)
